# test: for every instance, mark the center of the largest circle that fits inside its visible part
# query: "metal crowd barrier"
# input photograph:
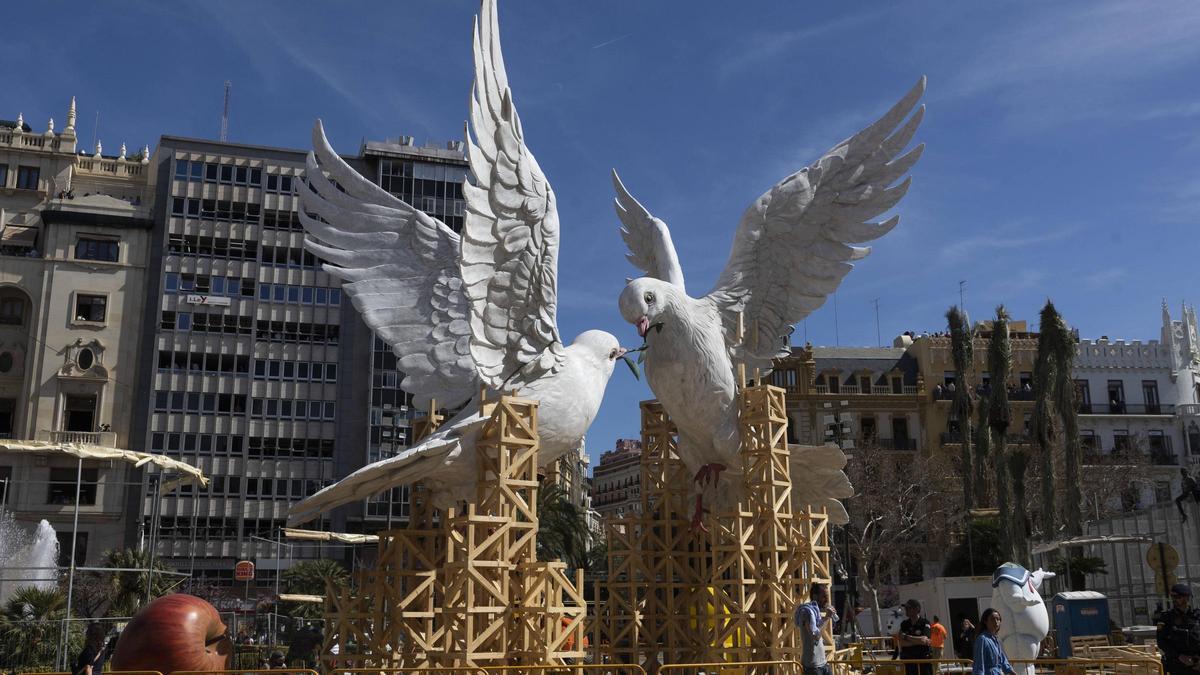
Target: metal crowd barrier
(734, 668)
(1073, 666)
(577, 668)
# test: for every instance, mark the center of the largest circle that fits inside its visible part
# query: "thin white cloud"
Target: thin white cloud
(612, 41)
(1105, 278)
(768, 46)
(1063, 62)
(1000, 239)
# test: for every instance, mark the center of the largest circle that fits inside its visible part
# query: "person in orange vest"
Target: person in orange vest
(937, 637)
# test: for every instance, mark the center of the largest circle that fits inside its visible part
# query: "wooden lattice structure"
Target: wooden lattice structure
(466, 588)
(727, 595)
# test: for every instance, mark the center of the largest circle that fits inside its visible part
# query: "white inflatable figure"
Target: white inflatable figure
(1025, 622)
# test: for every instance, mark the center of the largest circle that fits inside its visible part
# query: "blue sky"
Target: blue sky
(1063, 156)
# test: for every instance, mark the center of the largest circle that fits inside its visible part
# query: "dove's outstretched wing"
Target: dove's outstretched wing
(401, 271)
(648, 239)
(510, 240)
(819, 480)
(793, 245)
(431, 460)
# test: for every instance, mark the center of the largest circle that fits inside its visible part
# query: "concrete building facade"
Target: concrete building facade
(74, 243)
(244, 329)
(617, 480)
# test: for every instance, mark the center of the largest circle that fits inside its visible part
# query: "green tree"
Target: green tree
(1081, 566)
(563, 532)
(129, 584)
(29, 626)
(962, 351)
(978, 553)
(311, 577)
(1065, 401)
(1044, 382)
(1008, 464)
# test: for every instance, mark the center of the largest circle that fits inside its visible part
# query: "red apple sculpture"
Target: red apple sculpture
(175, 632)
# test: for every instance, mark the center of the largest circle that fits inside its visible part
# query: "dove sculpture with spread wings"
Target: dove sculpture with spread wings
(459, 311)
(792, 249)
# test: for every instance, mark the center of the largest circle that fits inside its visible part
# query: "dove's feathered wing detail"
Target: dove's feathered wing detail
(401, 272)
(648, 239)
(510, 241)
(794, 244)
(819, 480)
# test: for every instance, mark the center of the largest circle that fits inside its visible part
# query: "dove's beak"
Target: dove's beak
(621, 351)
(643, 326)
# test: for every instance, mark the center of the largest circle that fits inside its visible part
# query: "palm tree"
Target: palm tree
(562, 529)
(129, 589)
(961, 348)
(312, 577)
(999, 417)
(1044, 381)
(29, 628)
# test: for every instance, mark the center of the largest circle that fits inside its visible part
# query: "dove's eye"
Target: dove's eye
(649, 298)
(612, 354)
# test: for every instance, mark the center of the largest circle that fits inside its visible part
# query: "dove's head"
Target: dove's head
(644, 300)
(601, 348)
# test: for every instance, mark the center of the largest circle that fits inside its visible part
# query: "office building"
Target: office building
(244, 330)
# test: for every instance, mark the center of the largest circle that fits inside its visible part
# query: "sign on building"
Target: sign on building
(243, 571)
(215, 300)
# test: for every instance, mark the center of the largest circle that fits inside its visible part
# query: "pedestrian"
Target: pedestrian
(1177, 633)
(937, 637)
(1188, 488)
(91, 658)
(966, 639)
(989, 655)
(811, 619)
(914, 638)
(276, 662)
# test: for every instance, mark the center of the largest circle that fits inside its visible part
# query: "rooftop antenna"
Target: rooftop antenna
(225, 113)
(878, 337)
(837, 336)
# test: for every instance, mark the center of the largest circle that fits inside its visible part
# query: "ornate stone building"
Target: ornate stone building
(73, 256)
(617, 480)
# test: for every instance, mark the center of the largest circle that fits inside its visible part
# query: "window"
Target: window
(1150, 394)
(1087, 441)
(89, 248)
(12, 310)
(90, 307)
(1084, 395)
(3, 175)
(172, 282)
(1116, 396)
(1121, 440)
(64, 548)
(27, 177)
(183, 321)
(62, 486)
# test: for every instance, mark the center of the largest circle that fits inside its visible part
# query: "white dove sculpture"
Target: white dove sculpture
(459, 311)
(791, 250)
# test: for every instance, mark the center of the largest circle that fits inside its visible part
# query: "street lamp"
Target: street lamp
(838, 432)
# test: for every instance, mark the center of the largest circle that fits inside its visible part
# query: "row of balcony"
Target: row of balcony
(850, 389)
(1121, 408)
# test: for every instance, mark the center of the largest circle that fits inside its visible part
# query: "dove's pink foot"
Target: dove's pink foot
(709, 473)
(698, 516)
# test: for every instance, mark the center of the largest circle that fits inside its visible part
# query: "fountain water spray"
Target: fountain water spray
(26, 559)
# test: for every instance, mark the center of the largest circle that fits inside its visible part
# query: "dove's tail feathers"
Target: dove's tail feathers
(416, 463)
(819, 480)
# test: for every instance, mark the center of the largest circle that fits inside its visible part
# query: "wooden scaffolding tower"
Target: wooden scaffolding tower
(466, 589)
(676, 596)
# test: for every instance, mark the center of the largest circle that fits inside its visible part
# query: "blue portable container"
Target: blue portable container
(1078, 613)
